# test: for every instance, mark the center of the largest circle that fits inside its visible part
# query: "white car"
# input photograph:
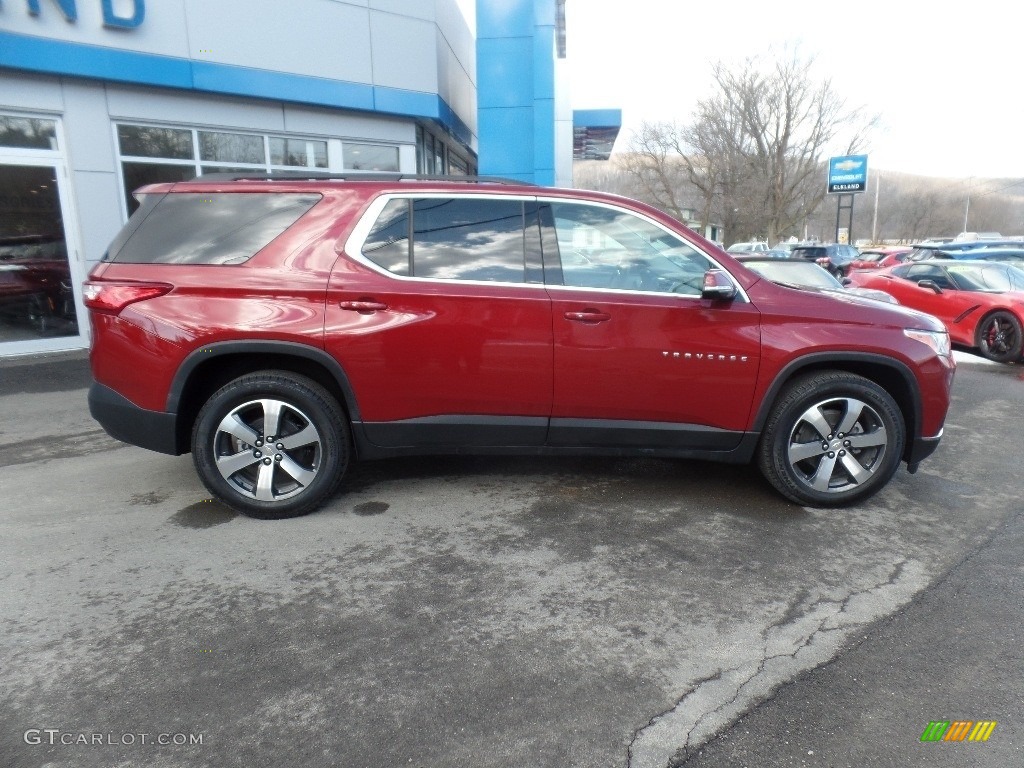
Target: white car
(748, 248)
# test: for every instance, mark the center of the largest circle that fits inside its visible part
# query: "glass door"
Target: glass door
(39, 274)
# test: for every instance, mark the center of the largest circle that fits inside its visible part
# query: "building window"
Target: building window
(155, 154)
(369, 157)
(297, 153)
(435, 157)
(231, 147)
(165, 143)
(27, 133)
(457, 166)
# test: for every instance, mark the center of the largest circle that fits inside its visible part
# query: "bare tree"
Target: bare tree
(656, 164)
(789, 121)
(910, 207)
(753, 153)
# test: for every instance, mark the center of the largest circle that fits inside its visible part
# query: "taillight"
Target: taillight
(113, 297)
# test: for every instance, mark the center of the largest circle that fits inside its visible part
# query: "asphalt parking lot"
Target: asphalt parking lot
(470, 611)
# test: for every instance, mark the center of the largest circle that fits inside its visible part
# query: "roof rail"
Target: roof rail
(377, 176)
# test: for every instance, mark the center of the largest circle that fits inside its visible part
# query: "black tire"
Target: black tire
(305, 463)
(999, 337)
(38, 314)
(857, 443)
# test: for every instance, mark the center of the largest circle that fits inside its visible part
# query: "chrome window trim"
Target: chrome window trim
(357, 238)
(740, 293)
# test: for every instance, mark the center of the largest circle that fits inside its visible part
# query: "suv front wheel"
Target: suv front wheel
(271, 444)
(832, 438)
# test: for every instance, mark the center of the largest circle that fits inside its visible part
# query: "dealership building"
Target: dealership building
(98, 97)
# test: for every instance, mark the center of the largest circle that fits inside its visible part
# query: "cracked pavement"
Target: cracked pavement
(445, 611)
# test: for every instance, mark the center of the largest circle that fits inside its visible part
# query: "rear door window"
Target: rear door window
(206, 228)
(479, 239)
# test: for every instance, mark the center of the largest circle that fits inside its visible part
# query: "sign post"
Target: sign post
(847, 175)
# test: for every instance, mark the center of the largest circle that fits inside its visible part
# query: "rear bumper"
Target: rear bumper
(127, 422)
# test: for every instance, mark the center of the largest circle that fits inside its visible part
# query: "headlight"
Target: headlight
(937, 340)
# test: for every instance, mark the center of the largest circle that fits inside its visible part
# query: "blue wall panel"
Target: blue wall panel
(509, 149)
(504, 72)
(516, 88)
(505, 18)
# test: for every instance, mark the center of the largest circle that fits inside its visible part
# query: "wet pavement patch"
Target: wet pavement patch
(203, 514)
(148, 499)
(56, 447)
(369, 508)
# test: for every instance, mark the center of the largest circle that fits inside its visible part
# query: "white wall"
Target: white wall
(423, 46)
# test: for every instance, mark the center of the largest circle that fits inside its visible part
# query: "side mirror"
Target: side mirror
(718, 286)
(930, 284)
(846, 281)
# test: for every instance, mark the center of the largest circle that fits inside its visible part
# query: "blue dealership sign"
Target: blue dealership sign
(847, 174)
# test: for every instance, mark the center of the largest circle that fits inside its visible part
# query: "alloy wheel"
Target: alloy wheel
(837, 444)
(267, 450)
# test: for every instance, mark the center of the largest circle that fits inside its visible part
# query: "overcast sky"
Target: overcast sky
(944, 77)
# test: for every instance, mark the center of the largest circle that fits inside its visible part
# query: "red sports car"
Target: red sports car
(981, 303)
(880, 258)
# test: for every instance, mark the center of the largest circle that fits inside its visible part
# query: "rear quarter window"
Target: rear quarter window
(195, 228)
(809, 253)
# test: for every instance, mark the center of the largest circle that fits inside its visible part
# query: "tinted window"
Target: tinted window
(928, 272)
(469, 239)
(816, 252)
(387, 245)
(453, 239)
(223, 228)
(140, 174)
(607, 248)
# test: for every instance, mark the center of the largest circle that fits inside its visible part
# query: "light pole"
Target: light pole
(967, 208)
(874, 219)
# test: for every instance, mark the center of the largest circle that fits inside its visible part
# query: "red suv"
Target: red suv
(280, 328)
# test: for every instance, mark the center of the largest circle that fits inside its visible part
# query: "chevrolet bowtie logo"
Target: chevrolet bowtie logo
(848, 165)
(709, 356)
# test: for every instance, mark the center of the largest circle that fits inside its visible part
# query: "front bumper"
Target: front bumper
(921, 449)
(127, 422)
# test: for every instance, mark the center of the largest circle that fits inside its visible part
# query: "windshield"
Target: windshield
(799, 273)
(994, 278)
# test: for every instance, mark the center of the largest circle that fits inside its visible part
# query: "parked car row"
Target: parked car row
(981, 303)
(797, 273)
(975, 288)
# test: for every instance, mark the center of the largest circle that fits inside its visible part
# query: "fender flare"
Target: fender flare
(816, 359)
(265, 347)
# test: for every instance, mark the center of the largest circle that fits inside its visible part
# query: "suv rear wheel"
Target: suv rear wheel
(271, 444)
(832, 438)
